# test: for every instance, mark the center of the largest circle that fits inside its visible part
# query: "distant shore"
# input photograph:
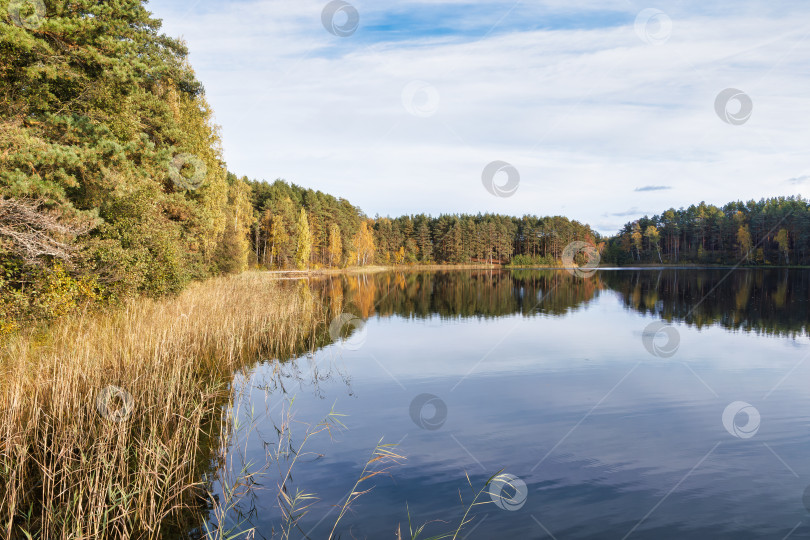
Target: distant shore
(372, 269)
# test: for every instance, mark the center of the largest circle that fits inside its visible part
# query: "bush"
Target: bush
(527, 260)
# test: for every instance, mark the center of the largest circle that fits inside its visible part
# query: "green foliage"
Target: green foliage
(336, 233)
(771, 231)
(96, 109)
(276, 237)
(28, 293)
(234, 246)
(529, 260)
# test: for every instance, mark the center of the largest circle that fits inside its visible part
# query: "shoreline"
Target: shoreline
(373, 269)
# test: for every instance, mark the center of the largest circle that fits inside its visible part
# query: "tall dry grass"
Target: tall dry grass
(67, 471)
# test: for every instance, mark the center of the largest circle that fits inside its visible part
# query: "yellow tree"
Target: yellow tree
(304, 248)
(636, 237)
(744, 241)
(364, 245)
(210, 198)
(784, 244)
(654, 238)
(335, 244)
(235, 245)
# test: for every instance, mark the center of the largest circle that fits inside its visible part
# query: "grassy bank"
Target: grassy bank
(79, 458)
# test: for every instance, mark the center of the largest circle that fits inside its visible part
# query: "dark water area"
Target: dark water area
(629, 404)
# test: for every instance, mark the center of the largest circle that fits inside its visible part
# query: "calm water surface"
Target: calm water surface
(615, 426)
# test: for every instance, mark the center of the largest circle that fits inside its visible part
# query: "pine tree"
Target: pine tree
(654, 238)
(103, 122)
(424, 243)
(278, 240)
(636, 237)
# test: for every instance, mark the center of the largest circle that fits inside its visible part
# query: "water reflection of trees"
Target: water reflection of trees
(458, 294)
(763, 301)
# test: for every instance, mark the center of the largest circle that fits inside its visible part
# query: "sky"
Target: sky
(602, 111)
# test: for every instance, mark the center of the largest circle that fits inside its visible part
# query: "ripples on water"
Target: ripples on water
(615, 426)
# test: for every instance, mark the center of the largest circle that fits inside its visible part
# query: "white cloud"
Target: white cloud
(585, 114)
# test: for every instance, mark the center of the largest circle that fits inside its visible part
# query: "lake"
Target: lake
(633, 403)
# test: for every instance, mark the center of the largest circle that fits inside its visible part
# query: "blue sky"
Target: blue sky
(594, 103)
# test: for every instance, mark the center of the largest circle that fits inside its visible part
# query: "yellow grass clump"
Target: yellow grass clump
(105, 418)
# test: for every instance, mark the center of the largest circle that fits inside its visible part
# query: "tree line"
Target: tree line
(771, 231)
(296, 227)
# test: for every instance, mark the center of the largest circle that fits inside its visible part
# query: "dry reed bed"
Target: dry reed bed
(66, 471)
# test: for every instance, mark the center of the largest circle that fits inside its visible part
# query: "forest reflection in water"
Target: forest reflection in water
(771, 301)
(549, 376)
